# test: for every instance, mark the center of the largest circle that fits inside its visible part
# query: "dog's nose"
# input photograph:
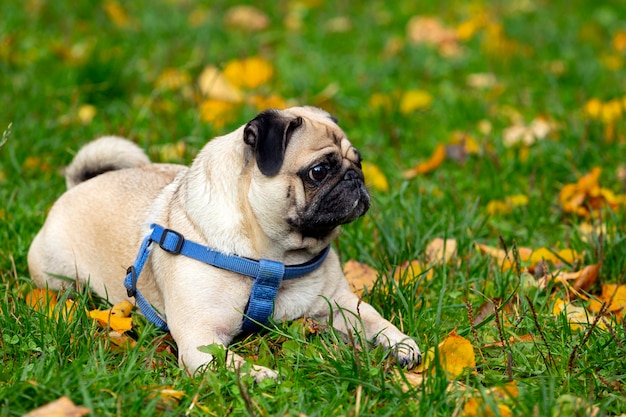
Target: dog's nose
(351, 175)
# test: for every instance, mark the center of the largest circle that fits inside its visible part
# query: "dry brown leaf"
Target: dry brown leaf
(440, 250)
(360, 276)
(63, 407)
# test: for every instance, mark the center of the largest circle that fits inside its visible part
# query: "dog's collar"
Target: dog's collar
(267, 275)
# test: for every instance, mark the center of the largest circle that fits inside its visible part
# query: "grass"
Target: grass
(549, 60)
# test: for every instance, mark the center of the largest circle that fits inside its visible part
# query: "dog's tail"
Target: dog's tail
(108, 153)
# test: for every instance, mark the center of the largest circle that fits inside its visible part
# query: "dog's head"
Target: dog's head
(307, 178)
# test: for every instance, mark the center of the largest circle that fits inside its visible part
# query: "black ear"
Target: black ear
(268, 134)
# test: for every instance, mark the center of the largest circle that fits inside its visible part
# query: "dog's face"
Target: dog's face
(307, 180)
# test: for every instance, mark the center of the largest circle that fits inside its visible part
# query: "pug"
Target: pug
(271, 195)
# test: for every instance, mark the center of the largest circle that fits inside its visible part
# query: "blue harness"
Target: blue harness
(267, 275)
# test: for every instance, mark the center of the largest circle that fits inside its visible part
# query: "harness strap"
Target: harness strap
(267, 275)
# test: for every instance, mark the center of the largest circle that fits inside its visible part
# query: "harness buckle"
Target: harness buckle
(131, 290)
(179, 242)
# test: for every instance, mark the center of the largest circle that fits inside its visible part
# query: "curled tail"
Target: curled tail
(108, 153)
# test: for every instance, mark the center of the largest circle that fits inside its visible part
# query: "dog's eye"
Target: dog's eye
(319, 172)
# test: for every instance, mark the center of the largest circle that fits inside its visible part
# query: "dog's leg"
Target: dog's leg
(194, 359)
(349, 314)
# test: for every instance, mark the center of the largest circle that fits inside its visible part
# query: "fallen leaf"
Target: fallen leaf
(456, 354)
(538, 129)
(248, 73)
(436, 159)
(586, 195)
(415, 100)
(117, 317)
(63, 407)
(214, 85)
(430, 31)
(374, 177)
(576, 315)
(217, 112)
(409, 270)
(614, 295)
(273, 101)
(246, 18)
(440, 251)
(360, 276)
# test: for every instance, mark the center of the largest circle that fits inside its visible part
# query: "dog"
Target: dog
(273, 193)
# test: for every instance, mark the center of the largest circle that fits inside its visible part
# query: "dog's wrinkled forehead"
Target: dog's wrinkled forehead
(270, 132)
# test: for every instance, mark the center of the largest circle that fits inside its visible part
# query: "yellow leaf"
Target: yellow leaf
(217, 112)
(615, 295)
(273, 101)
(63, 407)
(456, 354)
(374, 177)
(41, 299)
(246, 18)
(413, 100)
(122, 309)
(360, 276)
(436, 159)
(249, 73)
(410, 270)
(576, 315)
(214, 85)
(495, 207)
(107, 319)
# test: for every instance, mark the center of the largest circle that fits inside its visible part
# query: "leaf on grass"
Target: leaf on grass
(63, 407)
(586, 195)
(503, 397)
(495, 207)
(435, 160)
(410, 270)
(214, 85)
(576, 315)
(248, 73)
(217, 112)
(246, 18)
(415, 100)
(425, 30)
(360, 276)
(121, 340)
(440, 251)
(46, 301)
(117, 317)
(612, 294)
(456, 354)
(527, 135)
(374, 177)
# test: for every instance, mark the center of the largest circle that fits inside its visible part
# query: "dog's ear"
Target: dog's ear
(268, 134)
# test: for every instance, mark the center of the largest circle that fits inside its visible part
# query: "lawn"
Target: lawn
(494, 128)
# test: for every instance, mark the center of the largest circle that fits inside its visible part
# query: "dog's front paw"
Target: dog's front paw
(259, 373)
(404, 348)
